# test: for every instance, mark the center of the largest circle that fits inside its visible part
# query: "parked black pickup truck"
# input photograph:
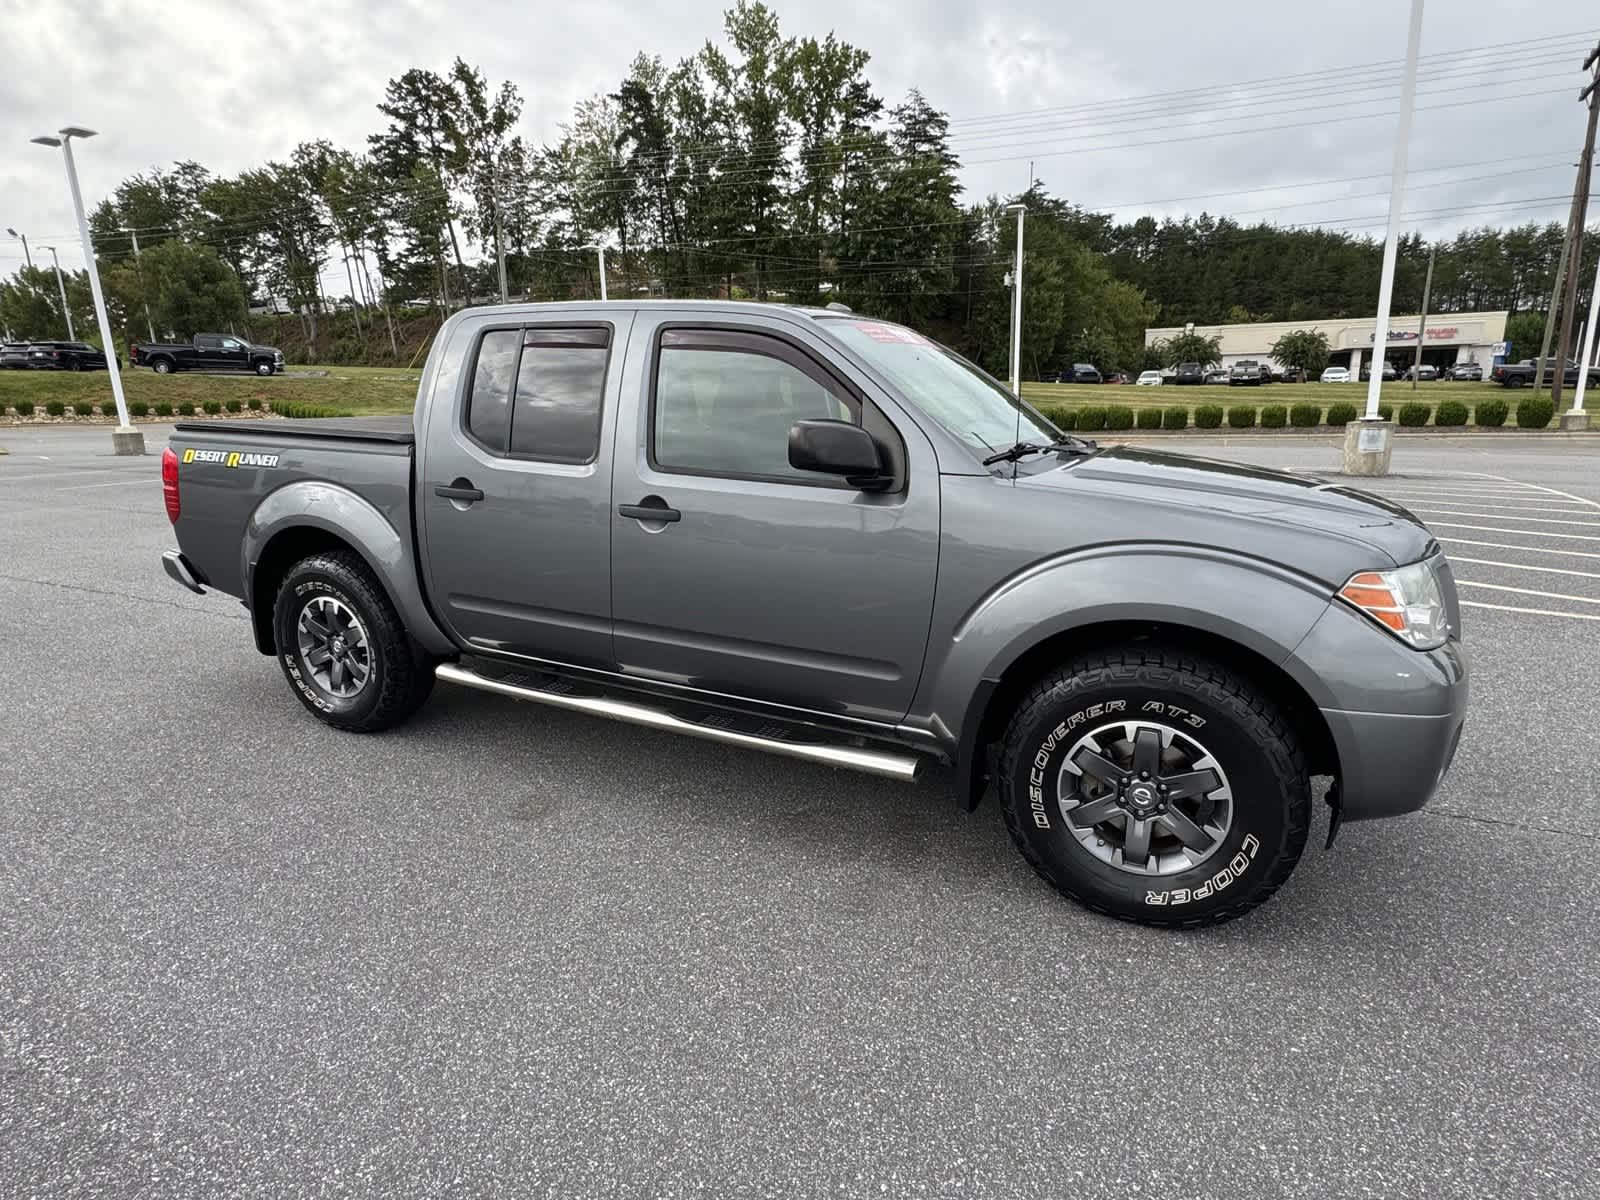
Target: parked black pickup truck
(1515, 375)
(208, 352)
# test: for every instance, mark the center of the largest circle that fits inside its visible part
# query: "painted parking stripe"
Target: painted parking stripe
(1502, 587)
(1492, 562)
(1538, 612)
(23, 477)
(80, 487)
(1520, 549)
(1578, 537)
(1523, 508)
(1460, 512)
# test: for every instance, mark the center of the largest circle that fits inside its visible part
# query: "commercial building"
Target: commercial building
(1446, 338)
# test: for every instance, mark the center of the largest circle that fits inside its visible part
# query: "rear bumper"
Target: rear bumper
(181, 570)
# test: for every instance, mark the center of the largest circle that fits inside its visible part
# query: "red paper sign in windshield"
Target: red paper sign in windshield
(879, 332)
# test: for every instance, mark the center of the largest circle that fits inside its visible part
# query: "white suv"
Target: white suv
(1149, 379)
(1336, 375)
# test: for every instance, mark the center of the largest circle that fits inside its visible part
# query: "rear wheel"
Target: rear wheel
(162, 366)
(1155, 786)
(343, 647)
(1514, 381)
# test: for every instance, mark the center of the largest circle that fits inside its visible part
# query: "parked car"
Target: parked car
(1336, 375)
(1152, 746)
(1387, 376)
(1424, 372)
(1149, 379)
(1217, 375)
(14, 356)
(1469, 372)
(1117, 377)
(1245, 373)
(1081, 373)
(1189, 372)
(1515, 375)
(1291, 375)
(208, 352)
(65, 356)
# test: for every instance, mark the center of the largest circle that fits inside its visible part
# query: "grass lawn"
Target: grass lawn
(353, 390)
(1324, 394)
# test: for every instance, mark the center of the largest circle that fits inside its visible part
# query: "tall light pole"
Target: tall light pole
(499, 247)
(23, 239)
(125, 439)
(599, 253)
(1367, 442)
(67, 312)
(139, 267)
(1016, 305)
(1575, 417)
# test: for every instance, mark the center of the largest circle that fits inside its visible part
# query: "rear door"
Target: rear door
(769, 583)
(207, 354)
(514, 484)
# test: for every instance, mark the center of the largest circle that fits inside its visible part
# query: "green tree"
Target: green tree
(190, 288)
(1190, 347)
(30, 304)
(1525, 332)
(1306, 349)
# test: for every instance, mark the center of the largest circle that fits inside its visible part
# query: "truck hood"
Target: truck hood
(1231, 503)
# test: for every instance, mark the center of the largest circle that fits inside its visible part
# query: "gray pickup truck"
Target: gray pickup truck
(814, 534)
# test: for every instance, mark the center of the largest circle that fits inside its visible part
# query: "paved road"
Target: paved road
(514, 951)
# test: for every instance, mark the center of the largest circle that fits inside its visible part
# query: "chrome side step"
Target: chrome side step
(874, 762)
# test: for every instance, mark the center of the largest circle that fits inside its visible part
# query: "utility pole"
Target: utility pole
(65, 311)
(1580, 211)
(138, 267)
(600, 254)
(1422, 323)
(23, 239)
(1016, 305)
(499, 247)
(1555, 299)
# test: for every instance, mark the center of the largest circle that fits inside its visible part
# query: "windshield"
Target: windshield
(956, 394)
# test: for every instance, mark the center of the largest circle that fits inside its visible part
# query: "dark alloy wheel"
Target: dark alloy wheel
(343, 647)
(1155, 785)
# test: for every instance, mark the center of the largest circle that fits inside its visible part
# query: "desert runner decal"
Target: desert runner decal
(231, 458)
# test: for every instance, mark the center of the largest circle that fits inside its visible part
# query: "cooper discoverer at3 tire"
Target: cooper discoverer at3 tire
(1156, 786)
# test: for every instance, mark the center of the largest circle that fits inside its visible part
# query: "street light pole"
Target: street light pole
(1575, 417)
(65, 311)
(125, 439)
(24, 240)
(139, 267)
(499, 247)
(600, 253)
(1016, 305)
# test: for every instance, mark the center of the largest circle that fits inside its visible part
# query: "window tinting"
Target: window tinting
(560, 384)
(489, 404)
(729, 412)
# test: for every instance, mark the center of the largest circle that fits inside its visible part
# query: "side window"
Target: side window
(725, 402)
(206, 341)
(561, 381)
(489, 403)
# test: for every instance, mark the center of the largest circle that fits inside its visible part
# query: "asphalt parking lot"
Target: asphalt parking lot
(508, 950)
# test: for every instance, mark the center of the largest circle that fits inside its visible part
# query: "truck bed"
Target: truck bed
(396, 429)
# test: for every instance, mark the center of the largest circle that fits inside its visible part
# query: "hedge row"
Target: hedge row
(141, 408)
(1532, 413)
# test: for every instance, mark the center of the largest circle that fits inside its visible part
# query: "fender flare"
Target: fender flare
(340, 512)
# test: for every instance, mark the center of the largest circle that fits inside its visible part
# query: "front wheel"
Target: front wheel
(343, 647)
(1155, 786)
(263, 368)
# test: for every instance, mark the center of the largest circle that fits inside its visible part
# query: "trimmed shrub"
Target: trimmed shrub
(137, 408)
(163, 409)
(1091, 417)
(1305, 416)
(213, 407)
(1149, 418)
(1385, 412)
(1208, 416)
(185, 409)
(1119, 416)
(235, 406)
(24, 408)
(84, 409)
(1414, 415)
(1064, 418)
(255, 403)
(1535, 412)
(1174, 418)
(1274, 416)
(1241, 416)
(1491, 414)
(55, 408)
(1341, 413)
(303, 411)
(1450, 413)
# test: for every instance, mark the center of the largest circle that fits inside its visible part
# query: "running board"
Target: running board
(874, 762)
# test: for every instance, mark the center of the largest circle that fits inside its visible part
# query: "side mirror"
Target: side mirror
(838, 448)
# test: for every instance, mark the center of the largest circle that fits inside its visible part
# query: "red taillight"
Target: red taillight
(169, 482)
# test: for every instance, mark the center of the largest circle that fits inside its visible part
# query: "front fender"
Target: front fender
(1256, 604)
(314, 504)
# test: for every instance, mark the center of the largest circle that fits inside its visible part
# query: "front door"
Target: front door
(515, 486)
(233, 354)
(769, 582)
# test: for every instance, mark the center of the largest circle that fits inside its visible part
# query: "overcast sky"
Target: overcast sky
(1147, 97)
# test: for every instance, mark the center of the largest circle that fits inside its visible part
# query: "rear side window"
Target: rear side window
(537, 393)
(489, 405)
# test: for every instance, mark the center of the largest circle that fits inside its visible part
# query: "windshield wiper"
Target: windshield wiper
(1070, 444)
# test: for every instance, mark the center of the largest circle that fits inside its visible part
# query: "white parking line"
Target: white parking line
(1501, 587)
(79, 487)
(1579, 537)
(1554, 492)
(1519, 508)
(1540, 612)
(1491, 562)
(1520, 549)
(1461, 512)
(1440, 494)
(22, 477)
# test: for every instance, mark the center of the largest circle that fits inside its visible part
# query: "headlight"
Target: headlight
(1405, 601)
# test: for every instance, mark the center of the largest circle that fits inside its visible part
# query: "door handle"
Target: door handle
(651, 508)
(460, 489)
